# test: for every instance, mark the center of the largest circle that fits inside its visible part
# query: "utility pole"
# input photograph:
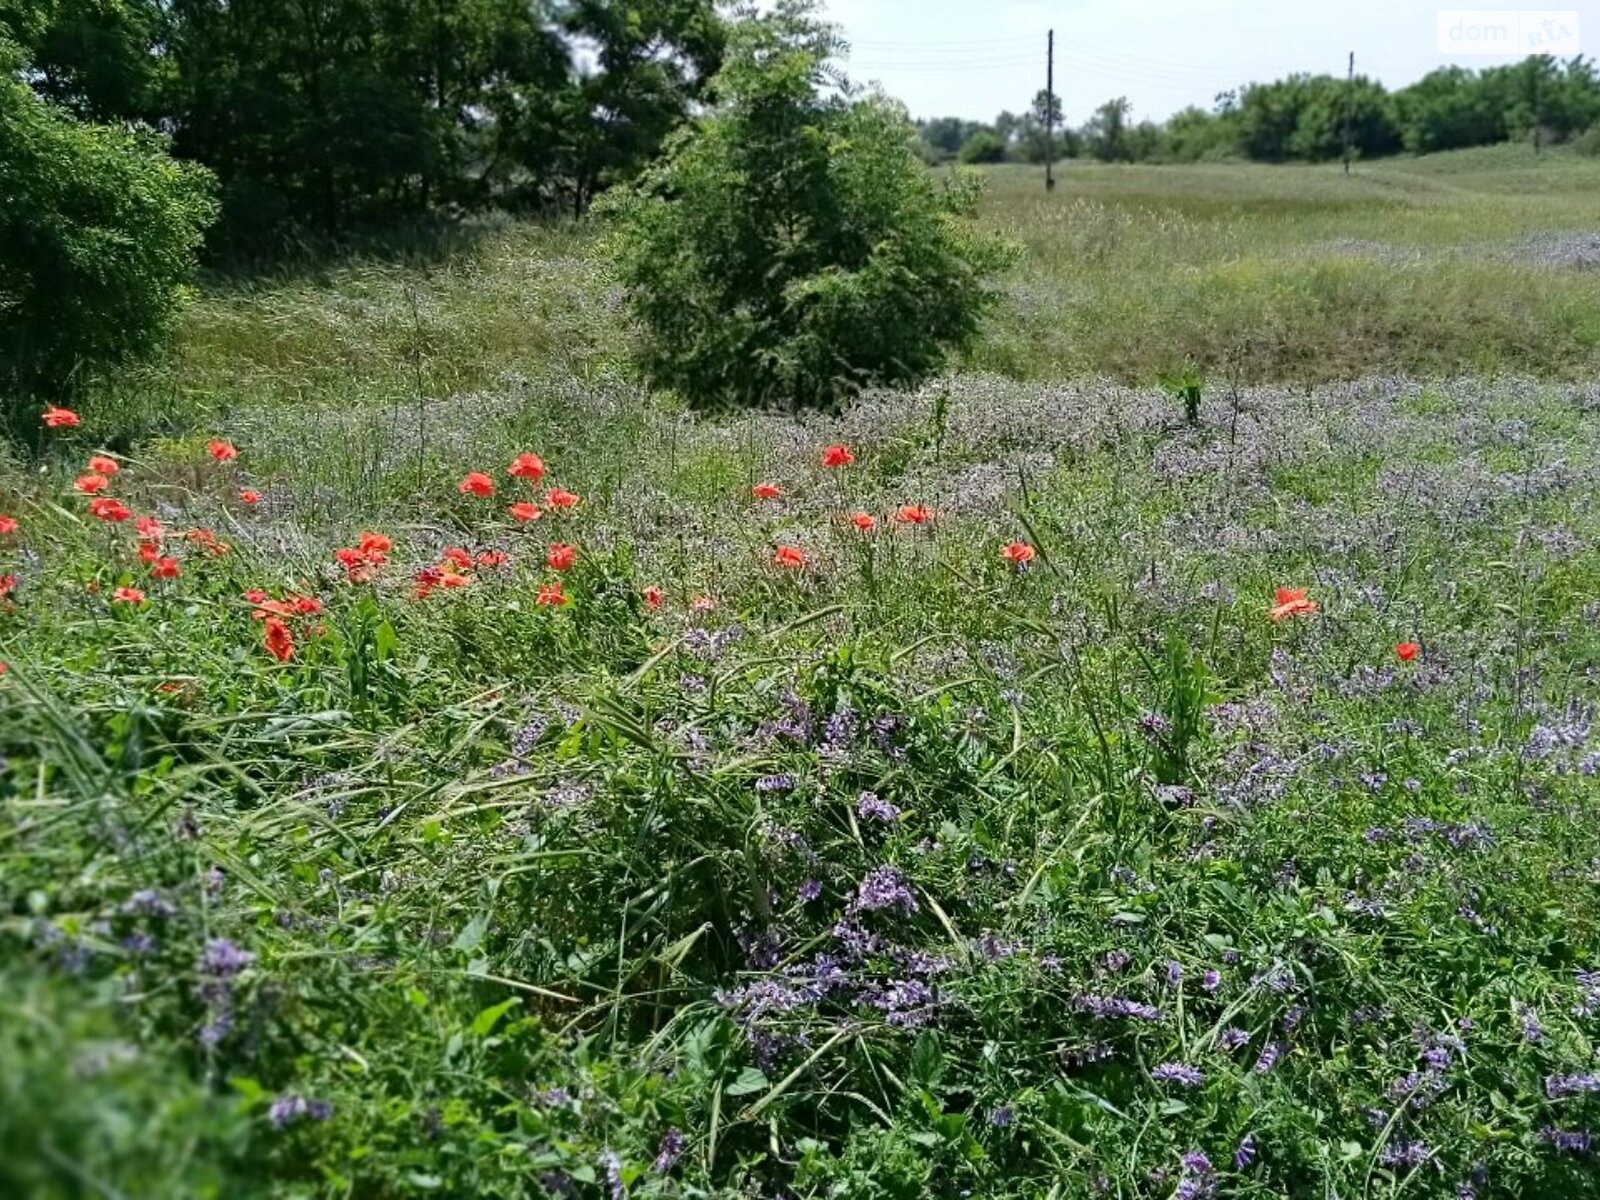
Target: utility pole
(1050, 113)
(1349, 108)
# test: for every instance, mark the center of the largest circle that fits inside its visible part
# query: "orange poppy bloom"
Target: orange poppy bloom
(913, 514)
(376, 547)
(561, 557)
(248, 496)
(837, 455)
(221, 450)
(653, 598)
(61, 418)
(456, 556)
(4, 667)
(357, 567)
(8, 525)
(208, 541)
(766, 491)
(789, 556)
(105, 508)
(526, 466)
(863, 521)
(525, 512)
(1291, 602)
(101, 465)
(255, 596)
(451, 578)
(703, 604)
(551, 594)
(149, 529)
(128, 595)
(305, 606)
(493, 558)
(561, 498)
(165, 568)
(1018, 552)
(277, 639)
(90, 485)
(149, 552)
(1407, 651)
(8, 584)
(476, 484)
(427, 579)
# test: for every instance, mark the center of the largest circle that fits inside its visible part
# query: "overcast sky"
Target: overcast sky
(960, 58)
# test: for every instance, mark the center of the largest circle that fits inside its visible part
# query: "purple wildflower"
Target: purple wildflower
(612, 1165)
(1268, 1057)
(1402, 1153)
(1179, 1073)
(884, 888)
(671, 1150)
(776, 783)
(1002, 1117)
(1211, 980)
(1246, 1152)
(809, 891)
(287, 1109)
(1570, 1141)
(1112, 1007)
(870, 804)
(1174, 973)
(1232, 1037)
(1559, 1086)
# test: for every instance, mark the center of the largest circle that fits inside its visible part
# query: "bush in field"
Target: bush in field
(791, 247)
(98, 232)
(983, 147)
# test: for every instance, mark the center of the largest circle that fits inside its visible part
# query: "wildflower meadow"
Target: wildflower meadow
(1005, 790)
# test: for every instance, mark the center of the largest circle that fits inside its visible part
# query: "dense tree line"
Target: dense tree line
(1304, 118)
(318, 114)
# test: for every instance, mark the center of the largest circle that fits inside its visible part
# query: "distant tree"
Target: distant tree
(789, 248)
(1447, 109)
(1194, 134)
(1046, 109)
(985, 146)
(95, 58)
(1106, 135)
(1328, 103)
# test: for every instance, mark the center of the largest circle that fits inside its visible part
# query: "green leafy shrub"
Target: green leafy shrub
(791, 247)
(983, 147)
(1588, 142)
(98, 233)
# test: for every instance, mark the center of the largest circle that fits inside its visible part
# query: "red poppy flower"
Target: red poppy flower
(277, 639)
(4, 667)
(248, 496)
(526, 466)
(1018, 552)
(561, 498)
(476, 484)
(90, 485)
(104, 508)
(863, 521)
(165, 568)
(149, 552)
(255, 596)
(101, 465)
(450, 578)
(376, 547)
(208, 541)
(456, 556)
(525, 512)
(149, 529)
(305, 606)
(1407, 651)
(789, 556)
(913, 514)
(61, 418)
(837, 456)
(427, 579)
(357, 567)
(1291, 602)
(703, 604)
(8, 584)
(561, 557)
(653, 598)
(766, 491)
(493, 558)
(551, 594)
(221, 451)
(8, 525)
(128, 595)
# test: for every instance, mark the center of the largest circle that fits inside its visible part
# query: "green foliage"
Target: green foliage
(790, 248)
(1106, 135)
(98, 236)
(983, 147)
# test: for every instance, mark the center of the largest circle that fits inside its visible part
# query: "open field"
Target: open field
(891, 867)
